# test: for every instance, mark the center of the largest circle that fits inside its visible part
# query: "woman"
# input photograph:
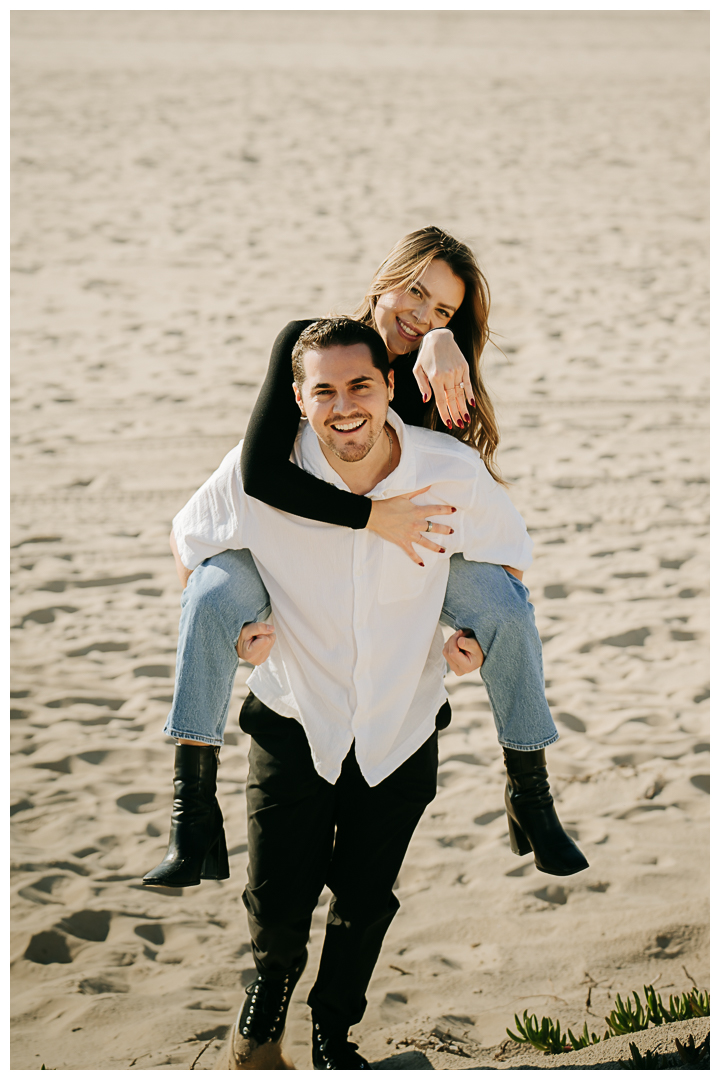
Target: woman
(429, 301)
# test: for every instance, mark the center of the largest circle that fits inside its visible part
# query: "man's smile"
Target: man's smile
(349, 425)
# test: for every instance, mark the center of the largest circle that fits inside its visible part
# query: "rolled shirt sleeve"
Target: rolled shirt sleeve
(212, 520)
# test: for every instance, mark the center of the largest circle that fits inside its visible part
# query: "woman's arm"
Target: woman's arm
(267, 472)
(270, 476)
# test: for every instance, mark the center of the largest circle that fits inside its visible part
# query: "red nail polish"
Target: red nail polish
(425, 397)
(442, 551)
(467, 419)
(422, 563)
(472, 402)
(449, 424)
(460, 424)
(454, 509)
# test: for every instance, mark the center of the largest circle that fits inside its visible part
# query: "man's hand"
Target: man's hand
(255, 642)
(515, 573)
(405, 523)
(463, 654)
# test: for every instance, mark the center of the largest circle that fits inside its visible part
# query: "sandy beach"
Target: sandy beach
(184, 184)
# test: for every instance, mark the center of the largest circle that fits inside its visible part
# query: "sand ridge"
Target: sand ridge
(185, 183)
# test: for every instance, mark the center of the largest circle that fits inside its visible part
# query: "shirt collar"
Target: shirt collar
(311, 458)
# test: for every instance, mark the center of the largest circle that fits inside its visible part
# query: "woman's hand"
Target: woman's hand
(255, 642)
(404, 523)
(442, 370)
(462, 653)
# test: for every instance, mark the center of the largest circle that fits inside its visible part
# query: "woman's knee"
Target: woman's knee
(485, 598)
(226, 587)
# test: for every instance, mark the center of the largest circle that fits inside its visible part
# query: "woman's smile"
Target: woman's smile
(406, 331)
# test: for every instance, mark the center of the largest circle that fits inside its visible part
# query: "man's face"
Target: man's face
(345, 399)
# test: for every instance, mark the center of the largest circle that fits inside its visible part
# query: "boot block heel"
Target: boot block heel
(216, 866)
(519, 843)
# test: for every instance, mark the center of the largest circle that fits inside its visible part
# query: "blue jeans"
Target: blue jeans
(226, 592)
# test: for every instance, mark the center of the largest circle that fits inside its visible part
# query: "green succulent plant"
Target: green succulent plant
(690, 1054)
(585, 1039)
(637, 1061)
(688, 1005)
(628, 1016)
(545, 1036)
(625, 1018)
(680, 1006)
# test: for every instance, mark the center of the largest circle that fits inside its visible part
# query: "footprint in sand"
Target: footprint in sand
(101, 646)
(553, 894)
(140, 802)
(48, 947)
(152, 932)
(88, 925)
(620, 641)
(556, 592)
(521, 871)
(491, 815)
(464, 843)
(103, 984)
(67, 702)
(572, 722)
(44, 615)
(62, 585)
(46, 890)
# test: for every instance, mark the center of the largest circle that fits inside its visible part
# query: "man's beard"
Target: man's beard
(346, 448)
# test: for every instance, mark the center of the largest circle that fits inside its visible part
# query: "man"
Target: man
(344, 712)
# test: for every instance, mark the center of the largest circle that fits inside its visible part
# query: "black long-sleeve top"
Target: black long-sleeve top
(267, 472)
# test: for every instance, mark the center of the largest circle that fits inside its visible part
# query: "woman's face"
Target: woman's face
(403, 316)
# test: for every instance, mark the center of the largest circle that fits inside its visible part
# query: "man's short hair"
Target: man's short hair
(326, 333)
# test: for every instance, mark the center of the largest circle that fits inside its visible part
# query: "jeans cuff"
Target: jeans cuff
(176, 733)
(530, 746)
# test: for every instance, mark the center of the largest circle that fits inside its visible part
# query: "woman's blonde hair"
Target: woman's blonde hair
(407, 261)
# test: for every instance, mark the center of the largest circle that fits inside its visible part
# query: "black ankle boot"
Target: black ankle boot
(533, 823)
(333, 1051)
(197, 846)
(257, 1035)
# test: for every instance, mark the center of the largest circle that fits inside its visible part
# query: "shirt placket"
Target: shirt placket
(362, 630)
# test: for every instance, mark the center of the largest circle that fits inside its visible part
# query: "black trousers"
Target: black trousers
(303, 834)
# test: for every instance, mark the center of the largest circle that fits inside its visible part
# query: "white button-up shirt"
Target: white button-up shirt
(358, 655)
